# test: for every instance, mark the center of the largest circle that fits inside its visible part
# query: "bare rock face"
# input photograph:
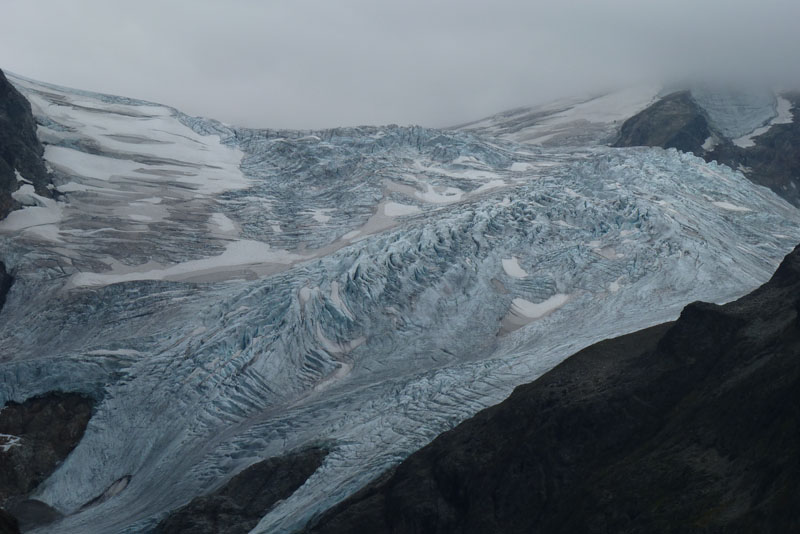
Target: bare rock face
(8, 523)
(32, 513)
(6, 280)
(683, 427)
(20, 149)
(238, 506)
(35, 437)
(675, 121)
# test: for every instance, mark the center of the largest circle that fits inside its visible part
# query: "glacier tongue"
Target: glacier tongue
(232, 294)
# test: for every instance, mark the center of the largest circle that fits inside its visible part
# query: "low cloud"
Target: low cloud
(320, 63)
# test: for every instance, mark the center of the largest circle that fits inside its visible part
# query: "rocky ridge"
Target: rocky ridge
(6, 280)
(238, 506)
(20, 150)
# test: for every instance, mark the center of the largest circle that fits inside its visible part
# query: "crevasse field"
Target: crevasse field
(231, 294)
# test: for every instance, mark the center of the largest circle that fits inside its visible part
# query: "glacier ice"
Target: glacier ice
(229, 294)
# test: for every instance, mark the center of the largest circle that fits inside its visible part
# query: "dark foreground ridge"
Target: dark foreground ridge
(692, 426)
(6, 281)
(676, 121)
(20, 149)
(8, 523)
(35, 437)
(237, 507)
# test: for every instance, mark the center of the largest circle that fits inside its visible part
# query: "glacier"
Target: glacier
(230, 294)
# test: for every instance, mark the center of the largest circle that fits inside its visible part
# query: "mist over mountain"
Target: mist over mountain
(317, 64)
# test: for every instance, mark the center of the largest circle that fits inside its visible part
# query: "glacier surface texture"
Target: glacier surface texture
(231, 294)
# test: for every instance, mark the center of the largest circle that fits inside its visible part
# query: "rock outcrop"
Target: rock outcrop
(35, 437)
(8, 523)
(674, 121)
(238, 506)
(684, 427)
(20, 149)
(6, 280)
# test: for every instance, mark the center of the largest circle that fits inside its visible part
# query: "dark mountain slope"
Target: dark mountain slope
(20, 149)
(685, 427)
(6, 281)
(237, 507)
(35, 438)
(676, 121)
(8, 523)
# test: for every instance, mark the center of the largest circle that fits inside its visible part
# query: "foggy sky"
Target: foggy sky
(324, 63)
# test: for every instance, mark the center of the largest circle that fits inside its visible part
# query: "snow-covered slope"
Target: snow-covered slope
(591, 120)
(232, 294)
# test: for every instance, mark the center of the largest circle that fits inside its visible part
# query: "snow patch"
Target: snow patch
(352, 234)
(321, 214)
(710, 143)
(537, 311)
(394, 209)
(222, 223)
(523, 312)
(467, 160)
(512, 268)
(305, 294)
(730, 207)
(519, 166)
(47, 212)
(46, 232)
(20, 179)
(442, 196)
(7, 441)
(342, 371)
(26, 195)
(491, 184)
(237, 254)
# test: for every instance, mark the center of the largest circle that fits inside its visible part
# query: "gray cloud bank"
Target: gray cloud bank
(323, 63)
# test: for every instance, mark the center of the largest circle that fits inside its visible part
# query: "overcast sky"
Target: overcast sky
(324, 63)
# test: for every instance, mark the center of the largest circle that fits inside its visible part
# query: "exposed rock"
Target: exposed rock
(8, 523)
(20, 149)
(31, 513)
(6, 280)
(238, 506)
(674, 121)
(677, 121)
(683, 427)
(38, 434)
